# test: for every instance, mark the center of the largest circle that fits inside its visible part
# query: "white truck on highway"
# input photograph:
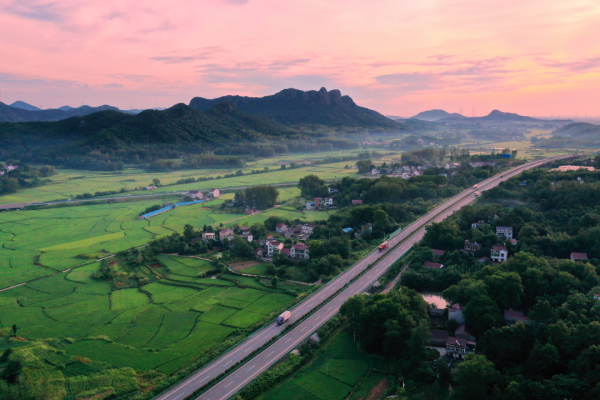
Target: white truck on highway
(283, 317)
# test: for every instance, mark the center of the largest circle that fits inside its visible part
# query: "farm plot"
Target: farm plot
(323, 387)
(243, 319)
(185, 266)
(269, 303)
(127, 298)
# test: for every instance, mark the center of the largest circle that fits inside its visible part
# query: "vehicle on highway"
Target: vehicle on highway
(477, 194)
(283, 317)
(383, 246)
(475, 187)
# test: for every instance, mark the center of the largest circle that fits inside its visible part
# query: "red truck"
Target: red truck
(283, 317)
(383, 246)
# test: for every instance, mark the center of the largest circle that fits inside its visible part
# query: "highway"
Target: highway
(399, 245)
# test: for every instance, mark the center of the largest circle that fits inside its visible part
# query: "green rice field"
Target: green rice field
(331, 376)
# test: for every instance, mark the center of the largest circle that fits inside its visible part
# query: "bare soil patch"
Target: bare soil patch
(243, 265)
(378, 390)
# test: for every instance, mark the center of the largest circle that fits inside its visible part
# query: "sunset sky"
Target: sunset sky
(398, 57)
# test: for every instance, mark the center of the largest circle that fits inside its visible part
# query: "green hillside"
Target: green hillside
(299, 108)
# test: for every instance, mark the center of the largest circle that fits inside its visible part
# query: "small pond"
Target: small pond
(434, 298)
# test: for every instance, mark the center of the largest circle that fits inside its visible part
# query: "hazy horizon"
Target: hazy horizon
(399, 58)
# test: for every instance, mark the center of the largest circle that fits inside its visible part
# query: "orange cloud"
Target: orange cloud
(396, 56)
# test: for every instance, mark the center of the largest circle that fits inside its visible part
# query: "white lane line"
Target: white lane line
(251, 368)
(229, 383)
(271, 353)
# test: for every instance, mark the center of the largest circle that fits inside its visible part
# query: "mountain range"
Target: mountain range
(297, 108)
(494, 116)
(435, 115)
(15, 114)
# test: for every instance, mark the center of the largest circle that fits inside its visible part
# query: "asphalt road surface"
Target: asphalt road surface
(243, 375)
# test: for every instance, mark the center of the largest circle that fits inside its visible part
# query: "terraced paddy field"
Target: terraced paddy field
(162, 326)
(36, 243)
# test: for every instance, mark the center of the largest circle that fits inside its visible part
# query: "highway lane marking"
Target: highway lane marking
(229, 383)
(251, 368)
(270, 353)
(415, 232)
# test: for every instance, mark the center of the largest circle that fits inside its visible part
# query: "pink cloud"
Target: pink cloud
(389, 55)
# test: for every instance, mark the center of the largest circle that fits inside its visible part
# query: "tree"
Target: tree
(188, 232)
(242, 248)
(316, 249)
(474, 379)
(544, 360)
(505, 288)
(364, 166)
(156, 182)
(482, 313)
(274, 281)
(311, 185)
(47, 170)
(444, 235)
(465, 291)
(14, 330)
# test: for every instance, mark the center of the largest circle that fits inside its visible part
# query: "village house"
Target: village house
(433, 265)
(226, 234)
(597, 296)
(318, 202)
(151, 187)
(511, 317)
(307, 229)
(328, 201)
(478, 224)
(251, 211)
(499, 253)
(310, 206)
(274, 247)
(299, 251)
(459, 348)
(195, 194)
(504, 232)
(332, 190)
(281, 228)
(245, 230)
(286, 252)
(471, 246)
(10, 167)
(578, 257)
(455, 312)
(483, 260)
(438, 253)
(206, 236)
(375, 171)
(356, 202)
(214, 193)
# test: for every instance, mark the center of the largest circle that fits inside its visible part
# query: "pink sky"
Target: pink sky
(398, 57)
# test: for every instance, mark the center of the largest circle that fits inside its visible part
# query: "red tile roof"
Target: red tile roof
(300, 246)
(456, 341)
(438, 252)
(498, 247)
(433, 265)
(579, 256)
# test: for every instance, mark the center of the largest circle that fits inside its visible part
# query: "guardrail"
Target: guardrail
(447, 203)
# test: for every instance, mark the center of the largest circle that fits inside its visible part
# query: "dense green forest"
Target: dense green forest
(556, 354)
(220, 136)
(311, 108)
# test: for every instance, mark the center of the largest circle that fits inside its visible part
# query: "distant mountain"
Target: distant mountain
(296, 108)
(180, 125)
(497, 115)
(65, 108)
(579, 130)
(25, 106)
(435, 115)
(14, 114)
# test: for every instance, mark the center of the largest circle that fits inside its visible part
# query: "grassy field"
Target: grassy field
(330, 376)
(69, 183)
